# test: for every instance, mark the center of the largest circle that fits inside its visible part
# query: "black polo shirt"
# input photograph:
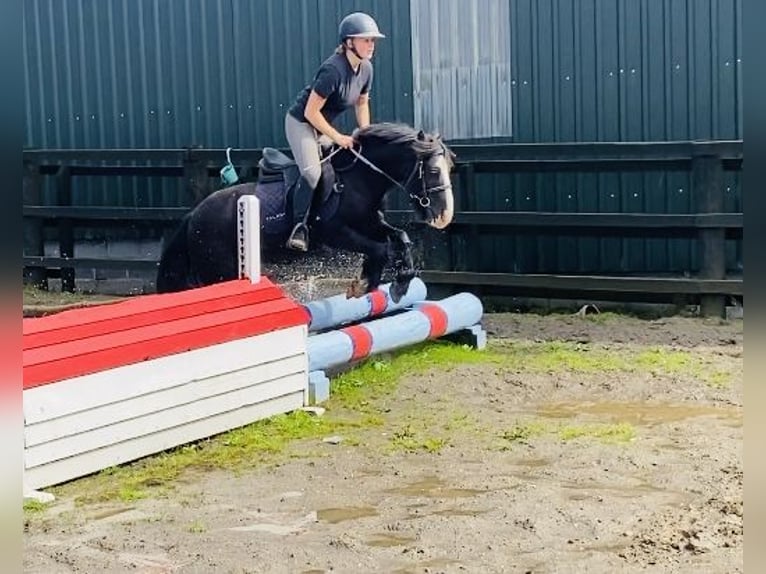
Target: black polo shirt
(336, 81)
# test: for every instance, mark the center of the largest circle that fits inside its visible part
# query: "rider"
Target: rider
(342, 81)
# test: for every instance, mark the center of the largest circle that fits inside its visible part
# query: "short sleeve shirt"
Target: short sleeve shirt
(337, 82)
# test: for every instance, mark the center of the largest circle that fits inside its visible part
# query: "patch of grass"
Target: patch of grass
(354, 404)
(130, 493)
(522, 432)
(461, 422)
(34, 506)
(556, 356)
(408, 440)
(34, 296)
(356, 389)
(350, 407)
(718, 379)
(664, 361)
(561, 356)
(613, 433)
(196, 527)
(235, 449)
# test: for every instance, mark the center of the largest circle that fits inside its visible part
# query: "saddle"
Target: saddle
(275, 166)
(276, 169)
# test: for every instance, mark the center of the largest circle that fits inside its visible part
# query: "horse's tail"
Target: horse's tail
(174, 272)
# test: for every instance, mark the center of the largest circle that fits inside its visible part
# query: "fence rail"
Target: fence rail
(711, 226)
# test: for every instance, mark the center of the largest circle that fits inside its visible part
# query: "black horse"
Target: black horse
(349, 215)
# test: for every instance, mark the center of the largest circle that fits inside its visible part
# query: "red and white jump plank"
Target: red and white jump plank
(110, 384)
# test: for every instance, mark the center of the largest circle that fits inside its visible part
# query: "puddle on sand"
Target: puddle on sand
(639, 414)
(108, 513)
(433, 487)
(460, 512)
(369, 472)
(532, 462)
(385, 540)
(335, 515)
(579, 492)
(419, 566)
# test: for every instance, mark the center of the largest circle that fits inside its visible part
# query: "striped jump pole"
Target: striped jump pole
(332, 312)
(427, 320)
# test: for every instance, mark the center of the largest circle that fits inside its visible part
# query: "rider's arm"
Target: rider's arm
(313, 114)
(362, 110)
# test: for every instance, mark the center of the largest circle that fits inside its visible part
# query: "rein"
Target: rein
(424, 200)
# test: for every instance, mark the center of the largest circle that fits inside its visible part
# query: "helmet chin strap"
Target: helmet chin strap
(353, 49)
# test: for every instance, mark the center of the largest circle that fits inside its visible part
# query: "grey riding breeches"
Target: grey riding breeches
(304, 143)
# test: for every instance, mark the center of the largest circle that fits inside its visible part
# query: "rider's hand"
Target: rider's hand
(344, 141)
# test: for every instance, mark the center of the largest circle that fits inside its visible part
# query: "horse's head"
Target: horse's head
(416, 162)
(431, 190)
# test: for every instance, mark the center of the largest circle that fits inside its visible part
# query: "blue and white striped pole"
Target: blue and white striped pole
(428, 320)
(337, 310)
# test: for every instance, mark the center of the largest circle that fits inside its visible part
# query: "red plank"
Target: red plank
(186, 326)
(105, 352)
(111, 323)
(142, 304)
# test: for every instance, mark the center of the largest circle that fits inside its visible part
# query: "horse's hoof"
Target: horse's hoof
(357, 288)
(398, 290)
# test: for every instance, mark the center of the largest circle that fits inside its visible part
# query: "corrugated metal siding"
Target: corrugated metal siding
(462, 67)
(128, 73)
(167, 74)
(280, 44)
(159, 73)
(614, 70)
(153, 73)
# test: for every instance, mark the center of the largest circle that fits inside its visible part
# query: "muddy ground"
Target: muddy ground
(515, 468)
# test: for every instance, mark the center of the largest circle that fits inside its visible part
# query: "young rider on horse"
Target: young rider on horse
(342, 81)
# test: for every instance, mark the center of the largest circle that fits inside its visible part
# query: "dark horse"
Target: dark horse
(203, 250)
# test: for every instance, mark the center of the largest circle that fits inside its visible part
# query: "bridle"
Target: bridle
(423, 198)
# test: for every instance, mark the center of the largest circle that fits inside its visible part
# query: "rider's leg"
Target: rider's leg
(303, 143)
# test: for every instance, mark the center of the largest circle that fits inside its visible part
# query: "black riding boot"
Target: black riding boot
(302, 204)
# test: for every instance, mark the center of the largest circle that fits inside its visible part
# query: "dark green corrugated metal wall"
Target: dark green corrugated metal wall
(614, 70)
(152, 73)
(171, 73)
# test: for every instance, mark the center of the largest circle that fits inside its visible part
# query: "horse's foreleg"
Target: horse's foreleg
(404, 266)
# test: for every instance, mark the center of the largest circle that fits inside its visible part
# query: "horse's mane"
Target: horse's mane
(394, 133)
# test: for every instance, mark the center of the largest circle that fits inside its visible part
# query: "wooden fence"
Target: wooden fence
(710, 225)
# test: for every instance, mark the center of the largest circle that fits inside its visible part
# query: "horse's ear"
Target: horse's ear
(421, 135)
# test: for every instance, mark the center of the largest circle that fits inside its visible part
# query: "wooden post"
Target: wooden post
(195, 177)
(470, 203)
(66, 230)
(462, 250)
(33, 227)
(707, 179)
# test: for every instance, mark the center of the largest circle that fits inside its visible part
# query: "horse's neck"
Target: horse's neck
(396, 165)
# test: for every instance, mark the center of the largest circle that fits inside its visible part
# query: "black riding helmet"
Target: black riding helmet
(358, 25)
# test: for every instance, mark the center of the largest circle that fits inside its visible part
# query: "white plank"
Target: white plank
(68, 425)
(156, 422)
(87, 463)
(115, 385)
